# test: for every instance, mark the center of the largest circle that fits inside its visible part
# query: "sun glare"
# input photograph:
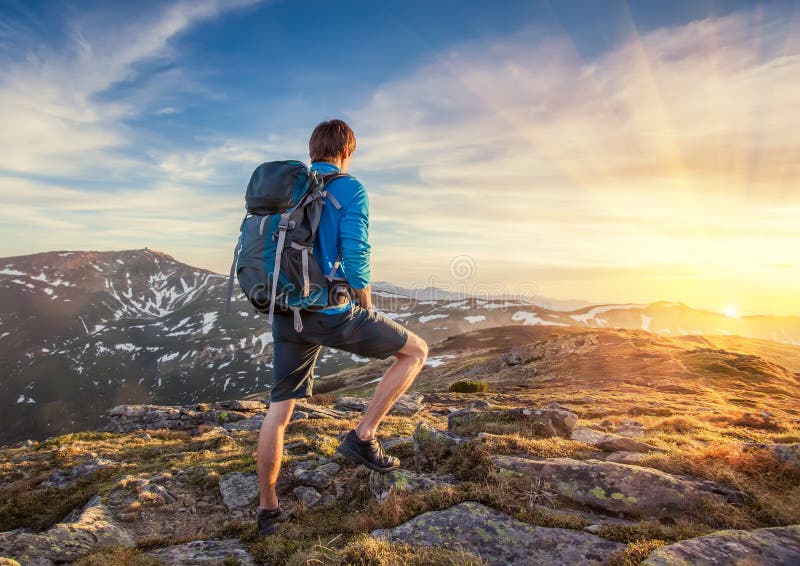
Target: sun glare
(731, 311)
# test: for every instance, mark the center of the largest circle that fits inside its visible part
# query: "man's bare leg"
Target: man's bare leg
(270, 450)
(400, 375)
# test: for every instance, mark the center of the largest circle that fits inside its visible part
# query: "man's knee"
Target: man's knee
(416, 348)
(279, 413)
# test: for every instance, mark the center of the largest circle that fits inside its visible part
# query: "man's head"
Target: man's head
(332, 141)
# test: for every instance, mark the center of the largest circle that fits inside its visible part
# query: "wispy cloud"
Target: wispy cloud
(56, 119)
(676, 148)
(669, 160)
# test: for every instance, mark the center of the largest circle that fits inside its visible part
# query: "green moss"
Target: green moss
(466, 386)
(598, 492)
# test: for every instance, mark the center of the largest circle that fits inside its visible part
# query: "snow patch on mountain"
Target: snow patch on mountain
(429, 317)
(530, 318)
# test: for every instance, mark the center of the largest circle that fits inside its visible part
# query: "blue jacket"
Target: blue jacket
(344, 231)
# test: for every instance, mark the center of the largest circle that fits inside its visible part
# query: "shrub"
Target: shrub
(466, 386)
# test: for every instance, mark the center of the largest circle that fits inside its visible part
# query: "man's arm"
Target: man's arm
(354, 235)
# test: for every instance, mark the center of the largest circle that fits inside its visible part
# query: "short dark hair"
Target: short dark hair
(330, 140)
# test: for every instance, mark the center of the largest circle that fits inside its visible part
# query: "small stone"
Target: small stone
(238, 489)
(299, 416)
(308, 496)
(432, 446)
(296, 446)
(331, 468)
(626, 457)
(383, 484)
(606, 425)
(314, 478)
(594, 529)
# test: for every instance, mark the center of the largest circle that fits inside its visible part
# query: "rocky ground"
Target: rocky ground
(551, 472)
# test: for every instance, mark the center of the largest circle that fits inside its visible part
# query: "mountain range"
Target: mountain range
(81, 331)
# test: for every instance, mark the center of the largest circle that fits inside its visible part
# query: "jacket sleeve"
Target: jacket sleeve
(354, 235)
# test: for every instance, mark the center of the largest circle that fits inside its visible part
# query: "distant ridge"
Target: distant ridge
(81, 331)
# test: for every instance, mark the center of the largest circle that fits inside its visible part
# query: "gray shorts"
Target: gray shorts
(358, 331)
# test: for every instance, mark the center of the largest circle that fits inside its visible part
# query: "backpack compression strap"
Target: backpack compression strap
(233, 270)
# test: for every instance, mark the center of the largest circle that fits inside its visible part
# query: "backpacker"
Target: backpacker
(284, 204)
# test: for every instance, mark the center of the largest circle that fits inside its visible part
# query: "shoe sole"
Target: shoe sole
(359, 459)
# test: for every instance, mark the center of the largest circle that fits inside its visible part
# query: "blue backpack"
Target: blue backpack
(273, 259)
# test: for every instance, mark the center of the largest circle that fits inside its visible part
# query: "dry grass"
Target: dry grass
(117, 556)
(635, 553)
(770, 487)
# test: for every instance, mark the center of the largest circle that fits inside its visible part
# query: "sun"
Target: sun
(732, 311)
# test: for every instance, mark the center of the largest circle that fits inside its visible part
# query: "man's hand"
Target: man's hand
(364, 297)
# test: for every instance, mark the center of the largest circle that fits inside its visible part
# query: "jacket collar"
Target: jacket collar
(325, 167)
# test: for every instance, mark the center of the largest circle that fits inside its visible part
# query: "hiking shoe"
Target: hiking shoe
(366, 452)
(269, 521)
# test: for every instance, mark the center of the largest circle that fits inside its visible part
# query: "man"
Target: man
(352, 326)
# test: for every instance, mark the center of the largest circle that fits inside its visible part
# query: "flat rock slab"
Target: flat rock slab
(129, 418)
(248, 424)
(633, 458)
(205, 552)
(619, 488)
(62, 478)
(407, 405)
(66, 541)
(319, 411)
(381, 485)
(500, 539)
(609, 442)
(552, 420)
(765, 547)
(238, 490)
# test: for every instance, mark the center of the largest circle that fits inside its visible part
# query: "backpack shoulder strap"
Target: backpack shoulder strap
(327, 178)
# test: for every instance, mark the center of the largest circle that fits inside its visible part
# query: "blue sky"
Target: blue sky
(613, 129)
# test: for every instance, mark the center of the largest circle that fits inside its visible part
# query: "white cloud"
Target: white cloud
(673, 148)
(671, 156)
(55, 122)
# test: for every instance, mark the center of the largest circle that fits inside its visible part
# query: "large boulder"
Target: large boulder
(67, 541)
(383, 484)
(238, 490)
(609, 442)
(432, 446)
(205, 553)
(407, 405)
(551, 420)
(619, 488)
(500, 539)
(766, 547)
